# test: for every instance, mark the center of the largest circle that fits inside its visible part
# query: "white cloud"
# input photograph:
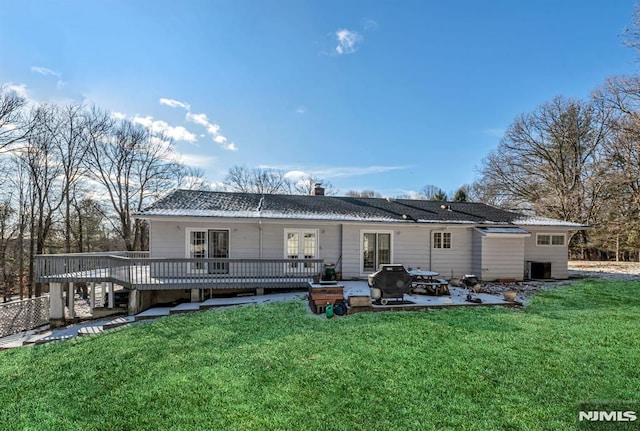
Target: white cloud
(333, 172)
(412, 194)
(177, 133)
(231, 146)
(354, 171)
(19, 89)
(174, 103)
(197, 160)
(212, 129)
(199, 119)
(48, 72)
(370, 24)
(348, 41)
(296, 175)
(301, 110)
(119, 116)
(165, 146)
(45, 72)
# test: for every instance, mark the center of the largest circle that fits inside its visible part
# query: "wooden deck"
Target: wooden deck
(166, 274)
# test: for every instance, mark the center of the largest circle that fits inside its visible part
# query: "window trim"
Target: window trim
(442, 240)
(361, 249)
(206, 230)
(551, 236)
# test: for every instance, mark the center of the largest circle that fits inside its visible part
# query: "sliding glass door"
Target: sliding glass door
(376, 250)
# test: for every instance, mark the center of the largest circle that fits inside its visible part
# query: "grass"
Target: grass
(277, 367)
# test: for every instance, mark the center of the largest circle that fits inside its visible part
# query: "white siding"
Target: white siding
(557, 255)
(476, 254)
(409, 246)
(454, 261)
(502, 258)
(470, 252)
(168, 238)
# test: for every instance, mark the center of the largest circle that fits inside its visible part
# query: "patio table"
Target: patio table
(425, 279)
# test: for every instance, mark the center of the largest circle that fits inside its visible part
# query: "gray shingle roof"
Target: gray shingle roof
(190, 203)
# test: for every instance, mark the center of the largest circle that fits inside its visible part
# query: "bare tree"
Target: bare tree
(13, 125)
(133, 166)
(363, 194)
(69, 134)
(550, 159)
(7, 262)
(191, 178)
(44, 169)
(621, 228)
(433, 193)
(19, 182)
(258, 180)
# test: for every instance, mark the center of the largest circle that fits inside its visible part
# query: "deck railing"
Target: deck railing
(144, 273)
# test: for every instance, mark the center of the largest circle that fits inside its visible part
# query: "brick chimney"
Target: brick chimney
(318, 190)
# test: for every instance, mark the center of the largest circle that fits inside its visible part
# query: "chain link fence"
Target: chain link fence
(23, 315)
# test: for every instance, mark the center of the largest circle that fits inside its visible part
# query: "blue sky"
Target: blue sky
(378, 94)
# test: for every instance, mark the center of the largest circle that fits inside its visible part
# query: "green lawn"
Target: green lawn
(278, 367)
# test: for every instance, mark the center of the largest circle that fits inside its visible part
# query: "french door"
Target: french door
(208, 243)
(300, 244)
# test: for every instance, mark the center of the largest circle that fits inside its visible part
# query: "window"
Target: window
(442, 240)
(300, 244)
(198, 249)
(376, 250)
(208, 244)
(550, 240)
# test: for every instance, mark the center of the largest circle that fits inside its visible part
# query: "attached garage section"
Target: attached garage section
(498, 253)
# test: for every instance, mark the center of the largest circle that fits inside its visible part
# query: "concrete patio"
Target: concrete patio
(457, 297)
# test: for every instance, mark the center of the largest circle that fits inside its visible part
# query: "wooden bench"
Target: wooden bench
(433, 287)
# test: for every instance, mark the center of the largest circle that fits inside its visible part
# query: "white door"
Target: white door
(300, 244)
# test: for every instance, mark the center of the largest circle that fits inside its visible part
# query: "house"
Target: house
(204, 243)
(358, 234)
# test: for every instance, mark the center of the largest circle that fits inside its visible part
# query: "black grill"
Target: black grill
(392, 281)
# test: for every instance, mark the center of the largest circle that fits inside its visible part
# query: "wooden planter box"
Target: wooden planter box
(359, 301)
(320, 297)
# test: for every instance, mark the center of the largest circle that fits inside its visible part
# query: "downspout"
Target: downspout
(259, 209)
(430, 249)
(341, 242)
(260, 238)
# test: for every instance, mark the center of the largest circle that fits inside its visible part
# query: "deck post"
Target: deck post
(195, 295)
(72, 300)
(133, 302)
(112, 299)
(56, 305)
(92, 295)
(260, 291)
